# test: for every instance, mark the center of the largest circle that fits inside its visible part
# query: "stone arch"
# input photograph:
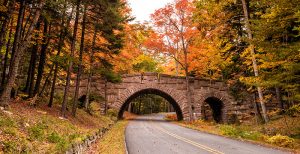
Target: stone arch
(215, 107)
(167, 94)
(218, 97)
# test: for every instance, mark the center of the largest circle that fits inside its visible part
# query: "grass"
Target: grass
(40, 129)
(282, 131)
(112, 142)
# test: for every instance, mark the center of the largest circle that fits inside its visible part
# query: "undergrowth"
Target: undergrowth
(41, 130)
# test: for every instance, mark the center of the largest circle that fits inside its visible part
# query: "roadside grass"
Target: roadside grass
(113, 142)
(27, 129)
(282, 131)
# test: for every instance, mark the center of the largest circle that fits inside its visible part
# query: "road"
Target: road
(152, 135)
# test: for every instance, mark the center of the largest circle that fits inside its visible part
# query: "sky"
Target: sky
(142, 9)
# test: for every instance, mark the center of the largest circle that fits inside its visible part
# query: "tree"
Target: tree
(60, 44)
(134, 39)
(277, 41)
(254, 61)
(176, 32)
(90, 71)
(70, 63)
(20, 44)
(7, 19)
(146, 63)
(45, 43)
(80, 61)
(217, 38)
(7, 52)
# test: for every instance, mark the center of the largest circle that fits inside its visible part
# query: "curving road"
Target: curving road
(152, 135)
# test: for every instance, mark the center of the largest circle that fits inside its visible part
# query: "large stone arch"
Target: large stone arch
(176, 98)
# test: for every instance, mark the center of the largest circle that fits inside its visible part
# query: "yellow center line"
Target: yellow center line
(189, 141)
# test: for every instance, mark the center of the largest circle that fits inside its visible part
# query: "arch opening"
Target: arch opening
(160, 93)
(212, 110)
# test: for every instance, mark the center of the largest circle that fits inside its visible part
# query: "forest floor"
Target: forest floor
(283, 131)
(28, 129)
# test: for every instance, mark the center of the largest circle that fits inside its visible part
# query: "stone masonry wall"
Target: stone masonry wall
(174, 87)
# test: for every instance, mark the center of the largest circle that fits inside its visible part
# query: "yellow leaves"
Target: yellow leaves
(3, 8)
(250, 80)
(271, 64)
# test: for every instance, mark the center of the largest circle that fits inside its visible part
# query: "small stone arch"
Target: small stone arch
(215, 106)
(167, 96)
(218, 101)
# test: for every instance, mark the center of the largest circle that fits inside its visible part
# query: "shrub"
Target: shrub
(7, 122)
(10, 131)
(229, 130)
(112, 113)
(62, 145)
(294, 110)
(75, 138)
(9, 147)
(172, 117)
(232, 131)
(54, 137)
(281, 140)
(37, 132)
(251, 135)
(94, 108)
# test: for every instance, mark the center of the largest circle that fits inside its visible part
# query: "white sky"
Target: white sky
(142, 9)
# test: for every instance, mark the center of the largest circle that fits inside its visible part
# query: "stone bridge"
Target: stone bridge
(210, 99)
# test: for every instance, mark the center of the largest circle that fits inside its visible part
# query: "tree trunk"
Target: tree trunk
(62, 36)
(8, 49)
(105, 97)
(31, 70)
(75, 99)
(278, 97)
(26, 89)
(187, 80)
(130, 108)
(42, 61)
(5, 95)
(5, 23)
(254, 61)
(87, 98)
(256, 110)
(18, 32)
(176, 64)
(47, 81)
(140, 104)
(70, 68)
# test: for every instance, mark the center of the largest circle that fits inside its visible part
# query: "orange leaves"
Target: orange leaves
(174, 31)
(134, 38)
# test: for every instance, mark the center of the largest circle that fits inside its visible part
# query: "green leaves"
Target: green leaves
(276, 31)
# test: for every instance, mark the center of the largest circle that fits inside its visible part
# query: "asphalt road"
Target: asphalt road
(152, 135)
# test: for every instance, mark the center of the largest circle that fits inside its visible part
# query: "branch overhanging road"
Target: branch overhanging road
(152, 135)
